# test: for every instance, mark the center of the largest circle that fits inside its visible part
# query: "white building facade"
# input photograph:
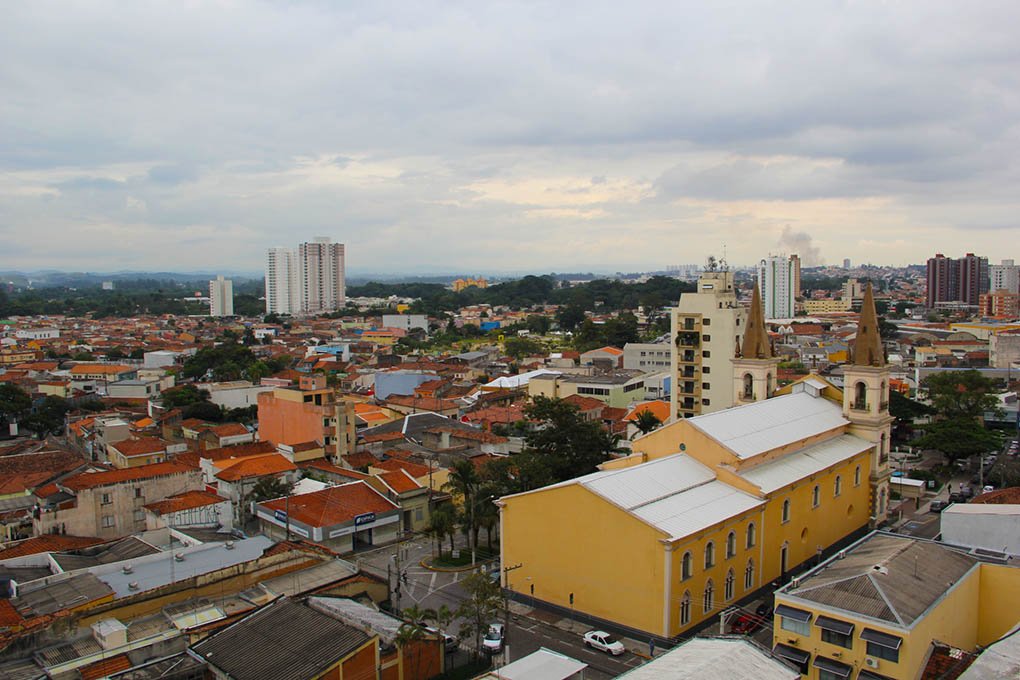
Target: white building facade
(1005, 276)
(777, 275)
(306, 280)
(221, 297)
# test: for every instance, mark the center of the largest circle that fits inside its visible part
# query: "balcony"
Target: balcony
(690, 339)
(689, 372)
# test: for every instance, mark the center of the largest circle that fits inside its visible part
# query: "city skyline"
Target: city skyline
(527, 137)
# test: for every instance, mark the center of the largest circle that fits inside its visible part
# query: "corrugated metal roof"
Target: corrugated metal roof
(640, 484)
(800, 464)
(765, 425)
(713, 659)
(698, 508)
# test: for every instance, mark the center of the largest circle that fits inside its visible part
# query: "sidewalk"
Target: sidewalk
(577, 628)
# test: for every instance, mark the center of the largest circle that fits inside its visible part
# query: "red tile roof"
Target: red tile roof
(325, 466)
(613, 413)
(105, 667)
(9, 616)
(1010, 496)
(400, 481)
(384, 437)
(584, 403)
(225, 452)
(427, 404)
(230, 430)
(90, 480)
(184, 501)
(140, 447)
(360, 459)
(332, 505)
(473, 435)
(393, 464)
(47, 543)
(256, 466)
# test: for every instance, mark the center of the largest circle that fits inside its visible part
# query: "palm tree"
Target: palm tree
(464, 482)
(646, 421)
(442, 523)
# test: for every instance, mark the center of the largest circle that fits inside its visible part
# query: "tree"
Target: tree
(14, 402)
(961, 394)
(268, 488)
(185, 395)
(442, 523)
(887, 330)
(959, 438)
(567, 444)
(464, 482)
(479, 608)
(518, 348)
(646, 421)
(48, 417)
(203, 410)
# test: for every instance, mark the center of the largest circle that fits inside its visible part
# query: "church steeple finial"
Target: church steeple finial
(756, 339)
(868, 343)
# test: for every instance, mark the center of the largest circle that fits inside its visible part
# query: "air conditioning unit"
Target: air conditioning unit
(871, 662)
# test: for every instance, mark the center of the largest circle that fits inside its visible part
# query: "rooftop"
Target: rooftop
(90, 480)
(334, 505)
(813, 459)
(755, 428)
(714, 659)
(879, 577)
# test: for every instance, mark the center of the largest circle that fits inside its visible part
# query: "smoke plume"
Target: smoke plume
(799, 243)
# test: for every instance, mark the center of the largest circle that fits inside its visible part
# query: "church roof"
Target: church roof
(756, 337)
(868, 344)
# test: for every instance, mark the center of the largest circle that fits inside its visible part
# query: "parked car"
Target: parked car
(604, 642)
(493, 640)
(745, 624)
(988, 487)
(450, 643)
(938, 506)
(956, 498)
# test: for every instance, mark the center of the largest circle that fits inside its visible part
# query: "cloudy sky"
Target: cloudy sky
(488, 136)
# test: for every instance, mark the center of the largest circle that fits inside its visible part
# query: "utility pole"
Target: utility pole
(506, 612)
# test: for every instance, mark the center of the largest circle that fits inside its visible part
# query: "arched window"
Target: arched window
(731, 544)
(709, 596)
(816, 496)
(749, 575)
(729, 585)
(710, 555)
(883, 452)
(838, 487)
(768, 385)
(883, 396)
(881, 502)
(786, 510)
(860, 396)
(687, 566)
(685, 608)
(751, 535)
(857, 476)
(748, 386)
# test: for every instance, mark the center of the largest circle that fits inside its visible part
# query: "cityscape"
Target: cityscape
(481, 342)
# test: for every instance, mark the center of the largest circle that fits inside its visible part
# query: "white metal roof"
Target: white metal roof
(512, 381)
(765, 425)
(983, 509)
(788, 469)
(690, 511)
(713, 659)
(646, 482)
(540, 665)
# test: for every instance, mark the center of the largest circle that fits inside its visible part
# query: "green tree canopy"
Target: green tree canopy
(479, 608)
(961, 394)
(566, 444)
(48, 417)
(14, 402)
(959, 438)
(518, 348)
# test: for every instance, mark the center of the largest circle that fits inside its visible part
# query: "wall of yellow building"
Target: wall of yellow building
(825, 525)
(999, 601)
(695, 585)
(122, 462)
(611, 562)
(55, 390)
(953, 621)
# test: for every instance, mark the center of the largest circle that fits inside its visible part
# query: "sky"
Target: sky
(483, 136)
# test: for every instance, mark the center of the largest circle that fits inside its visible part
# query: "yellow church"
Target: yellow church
(710, 509)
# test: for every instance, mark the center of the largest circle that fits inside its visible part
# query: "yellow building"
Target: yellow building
(461, 284)
(827, 306)
(710, 509)
(872, 611)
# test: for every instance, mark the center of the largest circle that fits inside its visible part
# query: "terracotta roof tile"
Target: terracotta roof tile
(473, 435)
(332, 505)
(230, 430)
(47, 543)
(400, 481)
(325, 466)
(360, 459)
(584, 403)
(256, 466)
(184, 501)
(90, 480)
(140, 447)
(105, 667)
(393, 464)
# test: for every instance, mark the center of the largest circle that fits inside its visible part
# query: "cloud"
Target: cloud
(800, 243)
(524, 136)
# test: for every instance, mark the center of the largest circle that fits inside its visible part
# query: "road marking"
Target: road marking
(432, 582)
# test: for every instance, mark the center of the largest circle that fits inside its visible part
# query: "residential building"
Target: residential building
(461, 284)
(619, 389)
(406, 322)
(795, 261)
(221, 297)
(648, 357)
(1004, 276)
(130, 453)
(874, 610)
(47, 333)
(310, 412)
(705, 327)
(709, 509)
(777, 282)
(404, 490)
(1000, 302)
(110, 504)
(283, 281)
(962, 280)
(852, 288)
(827, 306)
(191, 509)
(342, 518)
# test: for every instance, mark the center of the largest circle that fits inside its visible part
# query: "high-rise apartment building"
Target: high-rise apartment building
(221, 297)
(962, 280)
(846, 263)
(777, 275)
(308, 279)
(1005, 276)
(795, 259)
(706, 328)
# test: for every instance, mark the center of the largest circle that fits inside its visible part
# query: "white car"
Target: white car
(493, 640)
(602, 641)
